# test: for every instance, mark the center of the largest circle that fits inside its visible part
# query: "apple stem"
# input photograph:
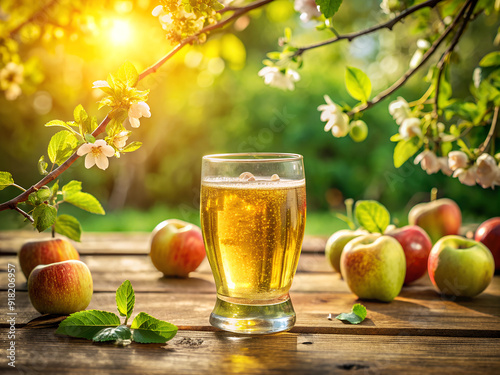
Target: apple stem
(348, 207)
(434, 193)
(53, 231)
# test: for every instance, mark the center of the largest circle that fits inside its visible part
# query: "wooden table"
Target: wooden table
(419, 332)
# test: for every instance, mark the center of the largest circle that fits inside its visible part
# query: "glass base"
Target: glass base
(253, 319)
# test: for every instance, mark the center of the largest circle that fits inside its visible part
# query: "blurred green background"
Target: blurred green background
(209, 99)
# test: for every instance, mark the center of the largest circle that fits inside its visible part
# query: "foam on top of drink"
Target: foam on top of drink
(249, 181)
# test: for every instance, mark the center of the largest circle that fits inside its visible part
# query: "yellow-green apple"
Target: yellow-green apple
(489, 234)
(438, 218)
(337, 242)
(60, 288)
(460, 267)
(417, 246)
(177, 247)
(47, 251)
(374, 267)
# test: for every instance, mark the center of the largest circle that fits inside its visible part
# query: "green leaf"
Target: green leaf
(125, 299)
(490, 59)
(356, 316)
(86, 324)
(79, 114)
(72, 194)
(61, 146)
(61, 124)
(372, 215)
(68, 226)
(85, 201)
(132, 147)
(405, 149)
(358, 84)
(5, 180)
(113, 333)
(148, 329)
(55, 188)
(328, 7)
(44, 216)
(128, 74)
(42, 166)
(44, 194)
(89, 138)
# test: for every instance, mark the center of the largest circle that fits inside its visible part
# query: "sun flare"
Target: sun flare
(120, 32)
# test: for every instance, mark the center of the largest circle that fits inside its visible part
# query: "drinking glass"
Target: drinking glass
(253, 213)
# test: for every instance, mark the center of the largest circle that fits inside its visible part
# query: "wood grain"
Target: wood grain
(195, 352)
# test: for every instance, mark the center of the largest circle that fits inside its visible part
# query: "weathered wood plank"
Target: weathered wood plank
(421, 314)
(115, 243)
(190, 352)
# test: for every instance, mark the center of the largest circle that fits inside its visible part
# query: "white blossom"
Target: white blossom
(11, 76)
(274, 77)
(410, 128)
(422, 46)
(120, 140)
(308, 9)
(428, 161)
(487, 172)
(337, 121)
(443, 165)
(97, 154)
(136, 111)
(457, 159)
(400, 110)
(389, 6)
(466, 176)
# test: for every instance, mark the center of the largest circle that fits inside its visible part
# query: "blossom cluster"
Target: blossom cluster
(483, 170)
(11, 77)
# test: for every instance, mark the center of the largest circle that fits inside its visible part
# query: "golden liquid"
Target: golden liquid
(253, 234)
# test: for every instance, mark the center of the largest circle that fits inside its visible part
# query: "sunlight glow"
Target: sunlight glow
(120, 32)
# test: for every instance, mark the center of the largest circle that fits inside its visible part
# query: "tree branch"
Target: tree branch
(491, 133)
(12, 204)
(32, 17)
(442, 61)
(382, 95)
(386, 25)
(25, 214)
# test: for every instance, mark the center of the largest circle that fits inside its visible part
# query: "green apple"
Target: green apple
(177, 247)
(460, 267)
(337, 242)
(60, 288)
(374, 267)
(438, 218)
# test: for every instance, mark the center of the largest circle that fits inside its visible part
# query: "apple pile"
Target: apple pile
(58, 282)
(177, 248)
(377, 259)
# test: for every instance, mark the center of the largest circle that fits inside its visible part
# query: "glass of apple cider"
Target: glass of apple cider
(253, 214)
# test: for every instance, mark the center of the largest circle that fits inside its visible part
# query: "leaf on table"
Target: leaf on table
(356, 316)
(372, 216)
(119, 333)
(45, 321)
(86, 324)
(151, 330)
(68, 226)
(125, 299)
(5, 180)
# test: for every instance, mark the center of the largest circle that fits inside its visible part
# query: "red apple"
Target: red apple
(489, 234)
(373, 267)
(47, 251)
(460, 267)
(417, 246)
(177, 247)
(438, 218)
(60, 288)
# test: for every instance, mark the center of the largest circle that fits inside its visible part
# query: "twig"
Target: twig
(255, 5)
(446, 54)
(25, 214)
(386, 25)
(12, 204)
(491, 133)
(32, 17)
(382, 95)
